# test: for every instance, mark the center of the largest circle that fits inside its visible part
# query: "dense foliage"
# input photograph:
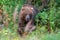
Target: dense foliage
(49, 15)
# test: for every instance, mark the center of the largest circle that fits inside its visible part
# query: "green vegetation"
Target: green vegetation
(49, 15)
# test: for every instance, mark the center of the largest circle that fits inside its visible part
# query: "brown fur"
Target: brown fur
(29, 27)
(23, 24)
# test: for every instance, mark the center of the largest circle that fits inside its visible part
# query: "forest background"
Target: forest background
(50, 18)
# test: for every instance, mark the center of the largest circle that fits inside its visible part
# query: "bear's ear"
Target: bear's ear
(31, 8)
(23, 9)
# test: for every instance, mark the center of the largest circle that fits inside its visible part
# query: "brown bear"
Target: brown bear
(26, 18)
(29, 27)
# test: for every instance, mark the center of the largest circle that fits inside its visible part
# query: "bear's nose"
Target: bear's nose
(27, 18)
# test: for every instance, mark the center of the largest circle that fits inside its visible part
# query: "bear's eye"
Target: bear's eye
(22, 9)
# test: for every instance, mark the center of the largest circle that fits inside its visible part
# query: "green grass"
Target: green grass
(11, 34)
